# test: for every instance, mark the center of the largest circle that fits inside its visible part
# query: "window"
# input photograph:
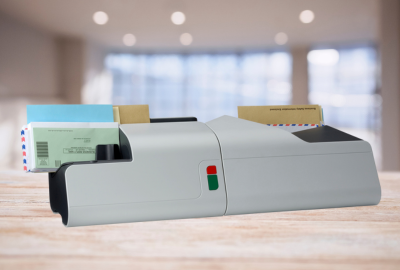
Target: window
(202, 85)
(344, 83)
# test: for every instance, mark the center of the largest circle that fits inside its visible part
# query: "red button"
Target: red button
(211, 170)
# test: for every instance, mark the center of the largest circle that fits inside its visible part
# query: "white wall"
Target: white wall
(299, 75)
(28, 75)
(71, 52)
(390, 72)
(28, 64)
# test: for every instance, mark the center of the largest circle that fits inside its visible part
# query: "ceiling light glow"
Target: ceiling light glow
(306, 16)
(281, 38)
(328, 57)
(186, 39)
(129, 40)
(100, 17)
(178, 18)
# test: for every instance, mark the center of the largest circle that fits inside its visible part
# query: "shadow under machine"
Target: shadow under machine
(228, 166)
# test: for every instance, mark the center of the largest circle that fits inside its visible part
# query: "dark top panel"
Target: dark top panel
(324, 134)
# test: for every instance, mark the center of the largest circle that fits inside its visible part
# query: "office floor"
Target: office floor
(32, 237)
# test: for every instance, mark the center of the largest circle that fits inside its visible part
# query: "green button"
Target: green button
(212, 182)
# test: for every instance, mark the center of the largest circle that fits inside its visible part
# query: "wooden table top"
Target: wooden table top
(32, 237)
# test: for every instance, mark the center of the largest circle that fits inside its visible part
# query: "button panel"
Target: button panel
(212, 178)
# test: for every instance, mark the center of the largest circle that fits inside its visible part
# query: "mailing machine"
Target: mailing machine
(227, 166)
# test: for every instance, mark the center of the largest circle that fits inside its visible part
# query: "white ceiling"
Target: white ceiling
(214, 24)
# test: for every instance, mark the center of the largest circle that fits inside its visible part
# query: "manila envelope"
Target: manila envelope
(285, 114)
(133, 114)
(116, 115)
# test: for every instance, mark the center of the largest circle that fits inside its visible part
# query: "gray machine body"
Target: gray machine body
(259, 169)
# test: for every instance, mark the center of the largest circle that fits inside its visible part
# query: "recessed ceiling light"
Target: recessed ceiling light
(129, 40)
(328, 57)
(178, 18)
(100, 17)
(186, 39)
(306, 16)
(281, 38)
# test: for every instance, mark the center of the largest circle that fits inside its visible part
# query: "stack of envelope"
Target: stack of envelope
(50, 144)
(56, 134)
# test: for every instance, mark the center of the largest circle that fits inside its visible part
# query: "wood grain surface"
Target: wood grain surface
(32, 237)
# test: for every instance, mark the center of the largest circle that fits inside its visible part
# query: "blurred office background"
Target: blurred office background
(204, 58)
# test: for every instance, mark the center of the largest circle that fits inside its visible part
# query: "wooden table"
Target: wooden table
(32, 237)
